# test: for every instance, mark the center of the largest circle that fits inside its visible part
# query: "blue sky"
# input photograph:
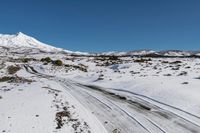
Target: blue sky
(106, 25)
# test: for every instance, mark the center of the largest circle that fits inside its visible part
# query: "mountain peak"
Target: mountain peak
(21, 34)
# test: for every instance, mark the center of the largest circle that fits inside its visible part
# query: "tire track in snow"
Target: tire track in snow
(94, 98)
(178, 118)
(156, 125)
(127, 113)
(143, 96)
(119, 110)
(133, 118)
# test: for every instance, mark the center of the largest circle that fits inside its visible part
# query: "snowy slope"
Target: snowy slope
(96, 93)
(21, 40)
(86, 96)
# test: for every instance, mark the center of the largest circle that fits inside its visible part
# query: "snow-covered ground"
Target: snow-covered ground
(97, 94)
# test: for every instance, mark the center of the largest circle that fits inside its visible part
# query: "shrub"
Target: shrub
(167, 75)
(59, 118)
(25, 60)
(5, 78)
(104, 57)
(47, 59)
(113, 58)
(183, 73)
(185, 83)
(187, 67)
(80, 67)
(164, 62)
(15, 79)
(142, 60)
(176, 62)
(175, 68)
(58, 63)
(13, 69)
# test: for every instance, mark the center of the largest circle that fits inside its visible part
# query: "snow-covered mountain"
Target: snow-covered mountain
(22, 40)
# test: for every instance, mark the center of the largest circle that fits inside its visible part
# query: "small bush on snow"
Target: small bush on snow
(58, 63)
(13, 69)
(47, 59)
